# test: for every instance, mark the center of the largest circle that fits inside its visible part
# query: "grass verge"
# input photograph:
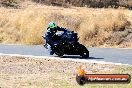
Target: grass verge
(96, 27)
(27, 72)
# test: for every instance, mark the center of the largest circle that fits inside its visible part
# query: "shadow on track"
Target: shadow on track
(94, 58)
(79, 57)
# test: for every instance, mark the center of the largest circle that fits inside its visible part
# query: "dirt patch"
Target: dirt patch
(19, 72)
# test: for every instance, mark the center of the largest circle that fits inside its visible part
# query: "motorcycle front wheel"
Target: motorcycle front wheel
(59, 52)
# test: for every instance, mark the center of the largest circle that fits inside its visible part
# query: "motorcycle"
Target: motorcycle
(67, 43)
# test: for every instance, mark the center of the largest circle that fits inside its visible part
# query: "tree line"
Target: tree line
(90, 3)
(83, 3)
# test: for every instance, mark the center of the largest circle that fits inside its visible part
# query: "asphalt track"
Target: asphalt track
(114, 55)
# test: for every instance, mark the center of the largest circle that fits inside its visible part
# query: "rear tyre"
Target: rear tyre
(84, 52)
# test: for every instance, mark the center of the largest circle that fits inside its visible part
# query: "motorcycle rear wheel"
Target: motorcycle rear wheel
(83, 51)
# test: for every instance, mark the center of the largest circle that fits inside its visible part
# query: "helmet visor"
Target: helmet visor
(52, 26)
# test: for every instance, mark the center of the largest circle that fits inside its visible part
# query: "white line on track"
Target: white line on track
(67, 59)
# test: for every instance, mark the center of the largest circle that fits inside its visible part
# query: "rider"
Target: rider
(51, 30)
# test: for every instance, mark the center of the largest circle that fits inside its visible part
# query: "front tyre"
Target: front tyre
(59, 52)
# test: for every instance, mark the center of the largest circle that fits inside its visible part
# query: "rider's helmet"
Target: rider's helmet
(52, 25)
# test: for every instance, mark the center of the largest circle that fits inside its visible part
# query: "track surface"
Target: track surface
(123, 56)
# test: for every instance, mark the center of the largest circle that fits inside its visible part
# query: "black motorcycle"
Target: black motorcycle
(68, 44)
